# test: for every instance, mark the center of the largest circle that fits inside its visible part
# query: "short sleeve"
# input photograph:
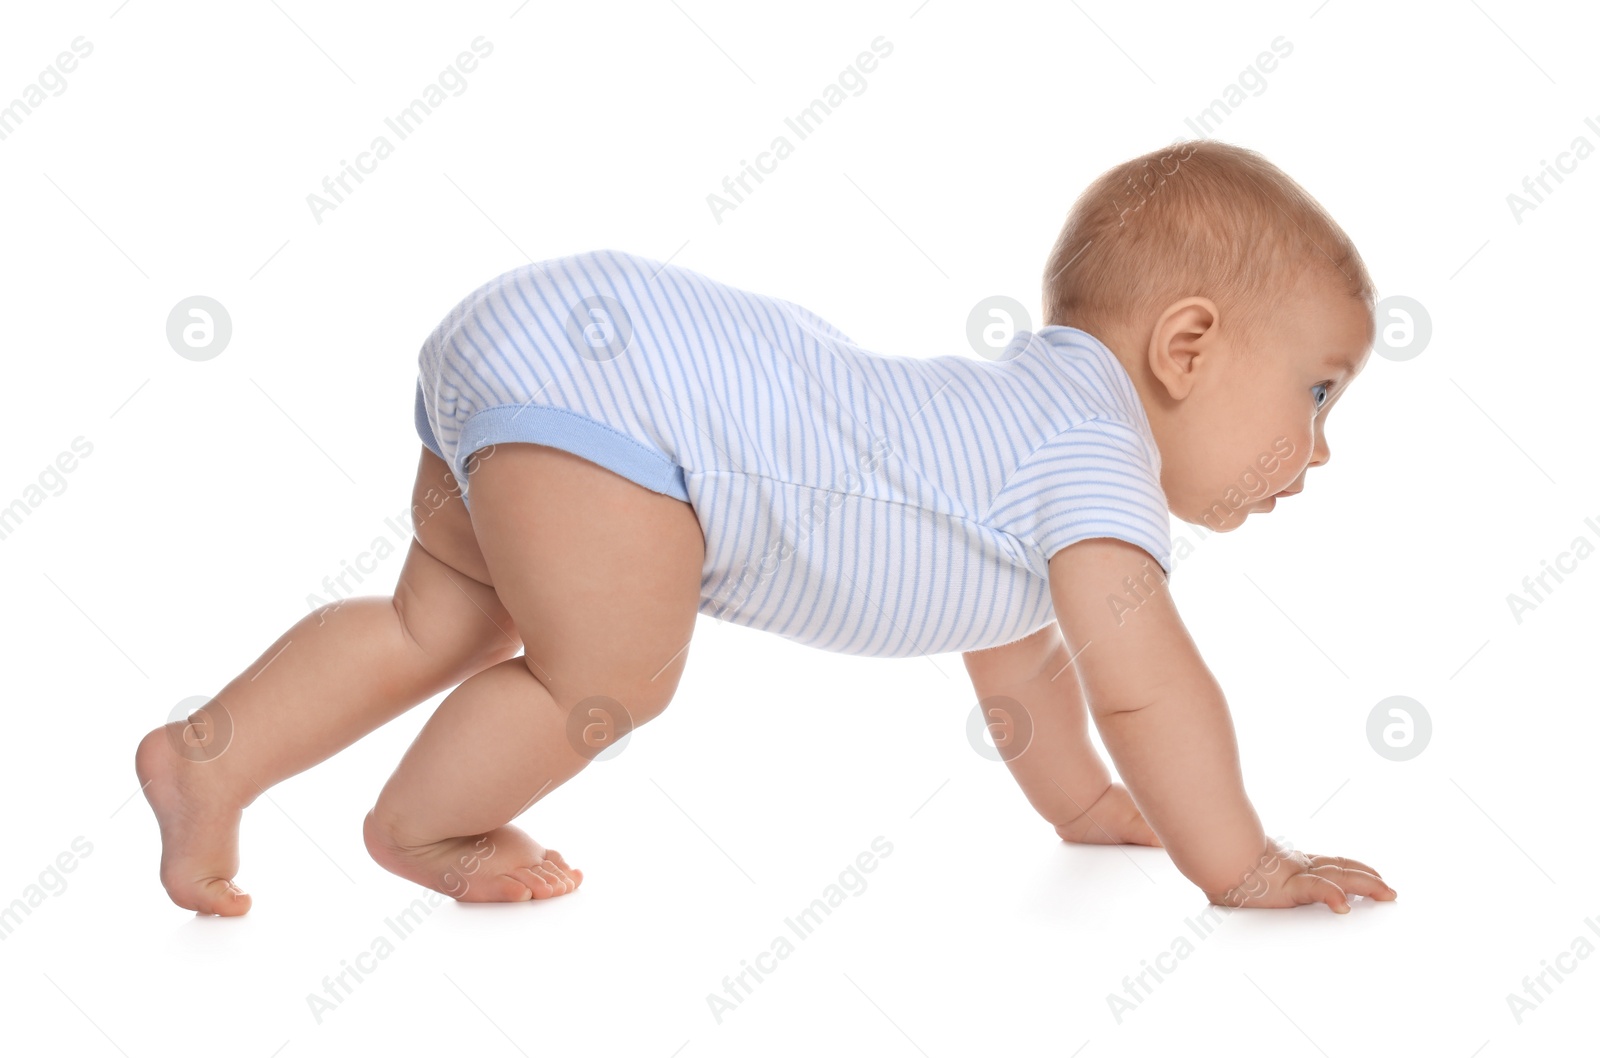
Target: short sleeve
(1098, 478)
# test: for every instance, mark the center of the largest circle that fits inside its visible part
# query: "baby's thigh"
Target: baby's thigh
(440, 520)
(601, 575)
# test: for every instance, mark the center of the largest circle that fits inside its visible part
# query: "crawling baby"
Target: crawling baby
(612, 446)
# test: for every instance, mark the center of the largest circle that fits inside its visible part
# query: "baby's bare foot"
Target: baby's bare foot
(199, 822)
(504, 865)
(1112, 820)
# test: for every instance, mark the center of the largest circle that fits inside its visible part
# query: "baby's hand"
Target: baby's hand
(1112, 820)
(1285, 877)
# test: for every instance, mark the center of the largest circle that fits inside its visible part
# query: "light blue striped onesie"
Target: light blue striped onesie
(858, 502)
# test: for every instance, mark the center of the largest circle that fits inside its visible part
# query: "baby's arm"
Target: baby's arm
(1030, 699)
(1165, 722)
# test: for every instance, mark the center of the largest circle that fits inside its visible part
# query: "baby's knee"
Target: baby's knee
(647, 703)
(632, 690)
(599, 718)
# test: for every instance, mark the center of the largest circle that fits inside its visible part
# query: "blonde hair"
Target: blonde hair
(1196, 218)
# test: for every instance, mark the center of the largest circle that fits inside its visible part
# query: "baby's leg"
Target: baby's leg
(602, 578)
(340, 672)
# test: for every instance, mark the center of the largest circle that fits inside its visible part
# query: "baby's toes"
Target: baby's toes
(544, 880)
(551, 856)
(213, 896)
(500, 889)
(560, 880)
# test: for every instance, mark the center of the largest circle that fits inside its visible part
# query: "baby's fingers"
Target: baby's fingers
(1352, 880)
(1340, 861)
(1309, 888)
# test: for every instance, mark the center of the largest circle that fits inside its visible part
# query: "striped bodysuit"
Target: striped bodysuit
(854, 501)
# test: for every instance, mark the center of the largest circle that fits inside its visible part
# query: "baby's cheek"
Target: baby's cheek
(1282, 462)
(1255, 485)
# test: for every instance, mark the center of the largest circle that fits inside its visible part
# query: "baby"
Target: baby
(613, 445)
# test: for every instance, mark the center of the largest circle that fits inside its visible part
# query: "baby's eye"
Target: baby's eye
(1321, 389)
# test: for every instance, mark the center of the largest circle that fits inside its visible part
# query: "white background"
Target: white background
(219, 494)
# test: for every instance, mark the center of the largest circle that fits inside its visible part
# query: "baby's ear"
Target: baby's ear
(1185, 330)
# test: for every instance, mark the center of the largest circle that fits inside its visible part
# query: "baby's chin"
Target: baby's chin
(1207, 519)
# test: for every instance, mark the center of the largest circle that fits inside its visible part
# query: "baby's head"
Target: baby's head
(1239, 308)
